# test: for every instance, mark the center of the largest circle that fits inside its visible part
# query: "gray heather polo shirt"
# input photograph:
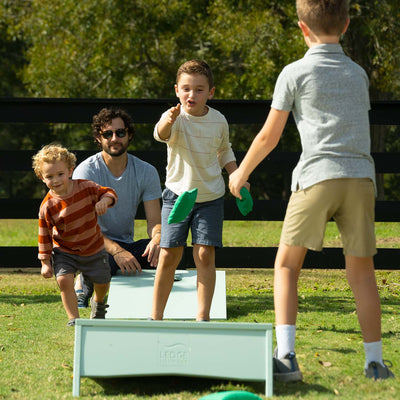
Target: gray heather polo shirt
(328, 95)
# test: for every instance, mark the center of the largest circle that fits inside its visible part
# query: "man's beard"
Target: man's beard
(116, 153)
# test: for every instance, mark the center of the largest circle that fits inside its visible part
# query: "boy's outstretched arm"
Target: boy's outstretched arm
(265, 141)
(165, 125)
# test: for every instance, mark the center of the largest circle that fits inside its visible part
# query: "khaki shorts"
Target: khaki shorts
(350, 202)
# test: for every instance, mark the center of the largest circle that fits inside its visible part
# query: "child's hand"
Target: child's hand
(47, 271)
(102, 205)
(236, 182)
(173, 113)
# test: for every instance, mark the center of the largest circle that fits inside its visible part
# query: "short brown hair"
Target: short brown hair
(196, 67)
(324, 16)
(105, 116)
(52, 153)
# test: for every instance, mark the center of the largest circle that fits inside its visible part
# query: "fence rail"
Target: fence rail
(23, 110)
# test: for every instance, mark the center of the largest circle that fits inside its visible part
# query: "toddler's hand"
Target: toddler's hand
(46, 271)
(102, 206)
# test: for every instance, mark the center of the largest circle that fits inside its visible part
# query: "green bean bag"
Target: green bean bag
(182, 207)
(245, 205)
(231, 395)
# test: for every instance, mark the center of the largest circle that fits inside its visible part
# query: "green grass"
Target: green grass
(23, 232)
(36, 348)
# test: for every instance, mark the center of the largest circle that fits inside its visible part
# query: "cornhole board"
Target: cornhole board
(224, 350)
(131, 296)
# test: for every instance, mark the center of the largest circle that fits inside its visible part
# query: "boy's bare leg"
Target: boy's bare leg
(100, 291)
(204, 258)
(164, 279)
(68, 296)
(361, 277)
(288, 263)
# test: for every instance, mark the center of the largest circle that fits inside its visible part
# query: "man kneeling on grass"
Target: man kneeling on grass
(69, 236)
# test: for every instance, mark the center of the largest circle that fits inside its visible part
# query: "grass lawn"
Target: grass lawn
(36, 348)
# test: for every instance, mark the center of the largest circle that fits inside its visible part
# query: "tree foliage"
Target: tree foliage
(132, 49)
(118, 48)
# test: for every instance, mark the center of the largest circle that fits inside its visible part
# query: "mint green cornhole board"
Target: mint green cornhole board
(131, 296)
(224, 350)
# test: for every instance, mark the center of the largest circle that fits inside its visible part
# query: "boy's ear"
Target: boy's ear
(176, 90)
(211, 93)
(304, 28)
(346, 26)
(70, 172)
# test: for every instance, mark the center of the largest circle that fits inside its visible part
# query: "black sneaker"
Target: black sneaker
(98, 310)
(286, 369)
(71, 322)
(377, 371)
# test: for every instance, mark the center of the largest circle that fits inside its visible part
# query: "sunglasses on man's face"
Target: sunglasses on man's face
(108, 134)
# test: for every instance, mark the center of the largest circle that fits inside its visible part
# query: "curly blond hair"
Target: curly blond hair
(52, 153)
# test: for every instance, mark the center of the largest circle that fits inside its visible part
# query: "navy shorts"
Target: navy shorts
(205, 222)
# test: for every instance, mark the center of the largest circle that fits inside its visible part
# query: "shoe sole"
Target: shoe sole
(288, 376)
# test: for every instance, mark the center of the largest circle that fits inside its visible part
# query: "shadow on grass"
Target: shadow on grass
(300, 389)
(243, 305)
(172, 384)
(336, 304)
(239, 306)
(341, 350)
(29, 298)
(356, 331)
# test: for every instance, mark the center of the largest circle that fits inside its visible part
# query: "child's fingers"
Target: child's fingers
(175, 111)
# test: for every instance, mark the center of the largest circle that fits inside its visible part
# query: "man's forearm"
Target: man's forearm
(112, 247)
(155, 232)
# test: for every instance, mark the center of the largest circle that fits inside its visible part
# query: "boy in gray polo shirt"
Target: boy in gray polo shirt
(334, 178)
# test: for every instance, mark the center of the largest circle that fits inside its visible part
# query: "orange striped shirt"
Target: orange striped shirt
(70, 222)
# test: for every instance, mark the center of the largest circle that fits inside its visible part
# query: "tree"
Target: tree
(123, 49)
(372, 36)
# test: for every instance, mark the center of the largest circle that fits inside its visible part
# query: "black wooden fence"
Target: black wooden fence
(29, 110)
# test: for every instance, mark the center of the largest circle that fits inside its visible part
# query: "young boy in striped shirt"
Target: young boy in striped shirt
(69, 236)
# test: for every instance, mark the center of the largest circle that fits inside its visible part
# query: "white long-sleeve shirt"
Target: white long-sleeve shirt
(198, 149)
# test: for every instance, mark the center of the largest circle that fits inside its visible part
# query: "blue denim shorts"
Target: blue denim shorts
(205, 222)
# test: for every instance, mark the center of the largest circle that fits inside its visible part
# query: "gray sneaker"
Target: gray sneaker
(98, 310)
(377, 371)
(286, 369)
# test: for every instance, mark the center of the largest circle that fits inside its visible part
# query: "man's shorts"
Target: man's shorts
(205, 221)
(350, 202)
(94, 268)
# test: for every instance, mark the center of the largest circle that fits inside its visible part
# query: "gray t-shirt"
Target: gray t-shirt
(327, 93)
(139, 182)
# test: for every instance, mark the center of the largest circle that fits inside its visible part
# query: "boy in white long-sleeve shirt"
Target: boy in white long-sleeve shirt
(197, 137)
